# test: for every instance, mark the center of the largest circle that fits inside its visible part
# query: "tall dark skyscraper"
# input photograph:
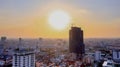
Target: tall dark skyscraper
(2, 44)
(76, 42)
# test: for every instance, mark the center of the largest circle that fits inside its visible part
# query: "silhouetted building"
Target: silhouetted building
(76, 43)
(2, 44)
(3, 39)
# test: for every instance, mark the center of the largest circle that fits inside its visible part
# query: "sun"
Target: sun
(59, 19)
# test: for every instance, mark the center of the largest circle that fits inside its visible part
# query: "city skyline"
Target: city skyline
(29, 19)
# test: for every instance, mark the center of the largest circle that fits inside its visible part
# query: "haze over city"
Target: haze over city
(59, 33)
(32, 18)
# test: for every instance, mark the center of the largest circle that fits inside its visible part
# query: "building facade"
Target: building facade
(76, 42)
(24, 58)
(116, 56)
(2, 44)
(98, 55)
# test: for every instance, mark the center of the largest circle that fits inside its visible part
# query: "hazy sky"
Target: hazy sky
(29, 18)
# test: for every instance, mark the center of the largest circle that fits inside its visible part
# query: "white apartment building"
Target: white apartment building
(116, 55)
(24, 58)
(97, 55)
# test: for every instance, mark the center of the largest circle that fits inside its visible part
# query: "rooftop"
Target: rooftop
(23, 51)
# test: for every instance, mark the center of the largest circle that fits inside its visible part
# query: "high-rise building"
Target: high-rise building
(98, 56)
(3, 39)
(23, 57)
(2, 44)
(76, 42)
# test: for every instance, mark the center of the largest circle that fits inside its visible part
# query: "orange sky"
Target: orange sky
(31, 20)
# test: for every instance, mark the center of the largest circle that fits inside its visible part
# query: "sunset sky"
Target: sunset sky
(29, 18)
